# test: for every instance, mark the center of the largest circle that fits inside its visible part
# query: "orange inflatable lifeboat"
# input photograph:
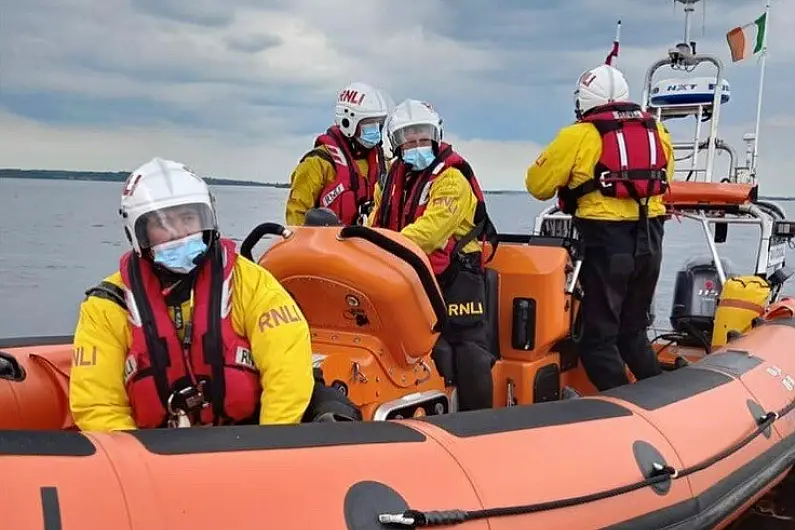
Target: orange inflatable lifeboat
(696, 447)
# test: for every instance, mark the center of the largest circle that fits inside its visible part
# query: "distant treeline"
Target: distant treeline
(116, 176)
(121, 176)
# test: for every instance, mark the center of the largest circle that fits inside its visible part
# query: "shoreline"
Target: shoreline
(121, 176)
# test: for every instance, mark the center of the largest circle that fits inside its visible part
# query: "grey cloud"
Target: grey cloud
(252, 43)
(249, 64)
(211, 13)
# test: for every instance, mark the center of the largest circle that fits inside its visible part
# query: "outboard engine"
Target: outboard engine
(695, 299)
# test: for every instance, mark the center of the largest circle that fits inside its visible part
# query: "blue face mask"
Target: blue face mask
(419, 157)
(178, 255)
(370, 136)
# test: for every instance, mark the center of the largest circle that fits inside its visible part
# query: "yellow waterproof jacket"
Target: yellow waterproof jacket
(569, 160)
(308, 179)
(450, 212)
(282, 354)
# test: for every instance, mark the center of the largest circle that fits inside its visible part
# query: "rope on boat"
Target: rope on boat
(661, 473)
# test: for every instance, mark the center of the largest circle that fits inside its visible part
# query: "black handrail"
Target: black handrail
(256, 235)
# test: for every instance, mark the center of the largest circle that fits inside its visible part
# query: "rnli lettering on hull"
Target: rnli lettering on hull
(788, 382)
(276, 317)
(468, 308)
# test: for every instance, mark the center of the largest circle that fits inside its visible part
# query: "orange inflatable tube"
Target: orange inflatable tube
(691, 448)
(34, 384)
(685, 193)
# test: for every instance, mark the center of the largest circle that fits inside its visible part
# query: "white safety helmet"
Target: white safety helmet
(414, 117)
(600, 86)
(359, 101)
(156, 186)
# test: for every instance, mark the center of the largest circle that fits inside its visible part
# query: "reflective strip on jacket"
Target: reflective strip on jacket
(570, 159)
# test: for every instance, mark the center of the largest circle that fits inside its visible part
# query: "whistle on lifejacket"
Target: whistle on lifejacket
(363, 213)
(179, 420)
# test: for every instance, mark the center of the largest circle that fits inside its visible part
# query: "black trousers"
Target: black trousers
(621, 266)
(462, 354)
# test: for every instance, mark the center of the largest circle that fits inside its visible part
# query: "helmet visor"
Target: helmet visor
(174, 222)
(377, 120)
(411, 134)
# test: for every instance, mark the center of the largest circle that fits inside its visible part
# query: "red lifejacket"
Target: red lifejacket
(349, 195)
(633, 163)
(401, 205)
(217, 360)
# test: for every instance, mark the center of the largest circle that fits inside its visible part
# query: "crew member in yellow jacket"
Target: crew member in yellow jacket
(432, 196)
(346, 161)
(187, 332)
(610, 170)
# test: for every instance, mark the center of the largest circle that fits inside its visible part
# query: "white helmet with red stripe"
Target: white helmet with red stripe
(153, 189)
(600, 86)
(360, 101)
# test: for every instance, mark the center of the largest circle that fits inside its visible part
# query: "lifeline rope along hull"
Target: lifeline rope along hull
(730, 414)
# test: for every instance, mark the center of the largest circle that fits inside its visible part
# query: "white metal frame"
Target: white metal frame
(551, 221)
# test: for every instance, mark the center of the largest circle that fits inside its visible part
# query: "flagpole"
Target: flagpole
(614, 50)
(761, 86)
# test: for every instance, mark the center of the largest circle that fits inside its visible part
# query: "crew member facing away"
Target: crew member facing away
(610, 170)
(339, 173)
(187, 332)
(431, 196)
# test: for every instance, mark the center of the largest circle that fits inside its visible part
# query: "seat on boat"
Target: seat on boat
(321, 217)
(492, 281)
(328, 403)
(443, 353)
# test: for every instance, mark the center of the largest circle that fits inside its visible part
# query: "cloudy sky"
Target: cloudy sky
(239, 88)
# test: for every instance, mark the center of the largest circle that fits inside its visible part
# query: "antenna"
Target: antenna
(698, 97)
(689, 10)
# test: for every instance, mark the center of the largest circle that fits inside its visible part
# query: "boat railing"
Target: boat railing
(693, 171)
(776, 233)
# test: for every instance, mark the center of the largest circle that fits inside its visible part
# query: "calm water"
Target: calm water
(57, 238)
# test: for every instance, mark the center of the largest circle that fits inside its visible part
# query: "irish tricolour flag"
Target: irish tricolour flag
(747, 40)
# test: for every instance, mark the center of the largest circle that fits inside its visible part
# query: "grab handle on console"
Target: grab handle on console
(256, 235)
(426, 278)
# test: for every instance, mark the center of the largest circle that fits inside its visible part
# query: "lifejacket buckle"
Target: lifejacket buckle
(603, 183)
(183, 402)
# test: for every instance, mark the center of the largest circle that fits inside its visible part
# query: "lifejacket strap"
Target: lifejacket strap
(158, 350)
